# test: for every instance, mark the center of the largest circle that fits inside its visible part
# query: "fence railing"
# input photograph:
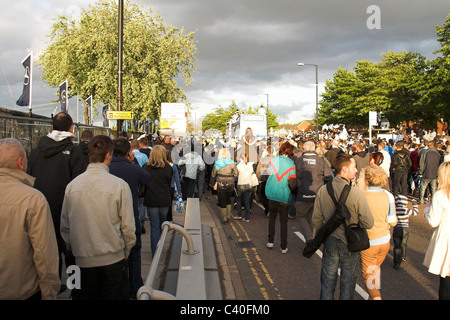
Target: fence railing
(30, 130)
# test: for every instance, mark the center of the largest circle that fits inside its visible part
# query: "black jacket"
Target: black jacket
(312, 172)
(135, 176)
(54, 164)
(429, 163)
(157, 190)
(401, 161)
(84, 149)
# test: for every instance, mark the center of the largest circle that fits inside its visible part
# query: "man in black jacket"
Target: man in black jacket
(122, 166)
(401, 164)
(312, 172)
(54, 163)
(86, 136)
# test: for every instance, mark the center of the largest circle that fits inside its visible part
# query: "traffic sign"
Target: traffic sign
(119, 115)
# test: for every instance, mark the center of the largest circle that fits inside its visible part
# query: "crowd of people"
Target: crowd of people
(88, 203)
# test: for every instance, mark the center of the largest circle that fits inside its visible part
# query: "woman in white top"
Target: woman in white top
(437, 214)
(244, 188)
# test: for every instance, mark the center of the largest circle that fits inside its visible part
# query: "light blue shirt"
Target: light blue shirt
(140, 157)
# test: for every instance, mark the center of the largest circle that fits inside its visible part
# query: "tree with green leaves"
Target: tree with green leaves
(85, 52)
(436, 86)
(404, 86)
(391, 86)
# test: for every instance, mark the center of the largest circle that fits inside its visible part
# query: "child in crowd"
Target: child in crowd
(401, 230)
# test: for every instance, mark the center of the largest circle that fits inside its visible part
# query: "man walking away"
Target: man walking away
(401, 164)
(28, 249)
(97, 224)
(121, 166)
(312, 172)
(429, 162)
(86, 136)
(335, 251)
(54, 163)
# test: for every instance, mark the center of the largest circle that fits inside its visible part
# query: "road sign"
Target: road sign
(119, 115)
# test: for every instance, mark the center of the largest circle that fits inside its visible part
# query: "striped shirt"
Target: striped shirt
(403, 212)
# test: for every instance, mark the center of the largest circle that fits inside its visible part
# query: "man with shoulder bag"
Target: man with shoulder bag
(337, 253)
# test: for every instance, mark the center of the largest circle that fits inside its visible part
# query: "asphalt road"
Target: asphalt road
(267, 274)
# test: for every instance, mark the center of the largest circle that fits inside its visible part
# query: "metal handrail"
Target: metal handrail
(147, 292)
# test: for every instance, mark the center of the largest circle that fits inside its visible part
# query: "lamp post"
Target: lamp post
(317, 93)
(120, 61)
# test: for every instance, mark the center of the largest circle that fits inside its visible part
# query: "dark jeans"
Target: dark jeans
(304, 213)
(335, 255)
(263, 197)
(187, 188)
(243, 198)
(104, 283)
(400, 238)
(280, 208)
(69, 259)
(134, 266)
(444, 288)
(400, 184)
(200, 183)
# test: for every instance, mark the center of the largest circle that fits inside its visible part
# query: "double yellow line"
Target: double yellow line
(252, 255)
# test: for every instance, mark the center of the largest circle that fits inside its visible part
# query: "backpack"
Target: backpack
(357, 237)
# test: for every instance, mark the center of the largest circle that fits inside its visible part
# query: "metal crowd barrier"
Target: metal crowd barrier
(147, 292)
(29, 130)
(191, 274)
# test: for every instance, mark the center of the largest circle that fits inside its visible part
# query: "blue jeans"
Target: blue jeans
(335, 255)
(157, 216)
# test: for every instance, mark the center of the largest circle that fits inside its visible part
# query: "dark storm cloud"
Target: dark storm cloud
(247, 47)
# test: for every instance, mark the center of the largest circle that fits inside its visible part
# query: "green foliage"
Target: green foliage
(404, 86)
(85, 52)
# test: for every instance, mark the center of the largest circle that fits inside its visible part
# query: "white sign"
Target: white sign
(373, 121)
(173, 119)
(173, 110)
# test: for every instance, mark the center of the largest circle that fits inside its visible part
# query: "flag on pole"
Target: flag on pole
(63, 96)
(25, 98)
(88, 102)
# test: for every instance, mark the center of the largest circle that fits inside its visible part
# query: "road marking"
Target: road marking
(358, 289)
(263, 290)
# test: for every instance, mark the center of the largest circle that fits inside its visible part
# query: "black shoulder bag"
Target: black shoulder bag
(357, 237)
(332, 224)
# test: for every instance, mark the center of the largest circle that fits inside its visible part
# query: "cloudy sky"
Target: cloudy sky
(247, 49)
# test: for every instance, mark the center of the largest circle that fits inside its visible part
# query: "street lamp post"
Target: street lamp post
(119, 71)
(317, 93)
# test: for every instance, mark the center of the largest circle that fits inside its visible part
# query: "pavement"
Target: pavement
(230, 281)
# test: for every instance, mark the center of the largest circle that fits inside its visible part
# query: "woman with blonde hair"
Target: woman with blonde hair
(223, 174)
(375, 158)
(158, 197)
(382, 205)
(437, 214)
